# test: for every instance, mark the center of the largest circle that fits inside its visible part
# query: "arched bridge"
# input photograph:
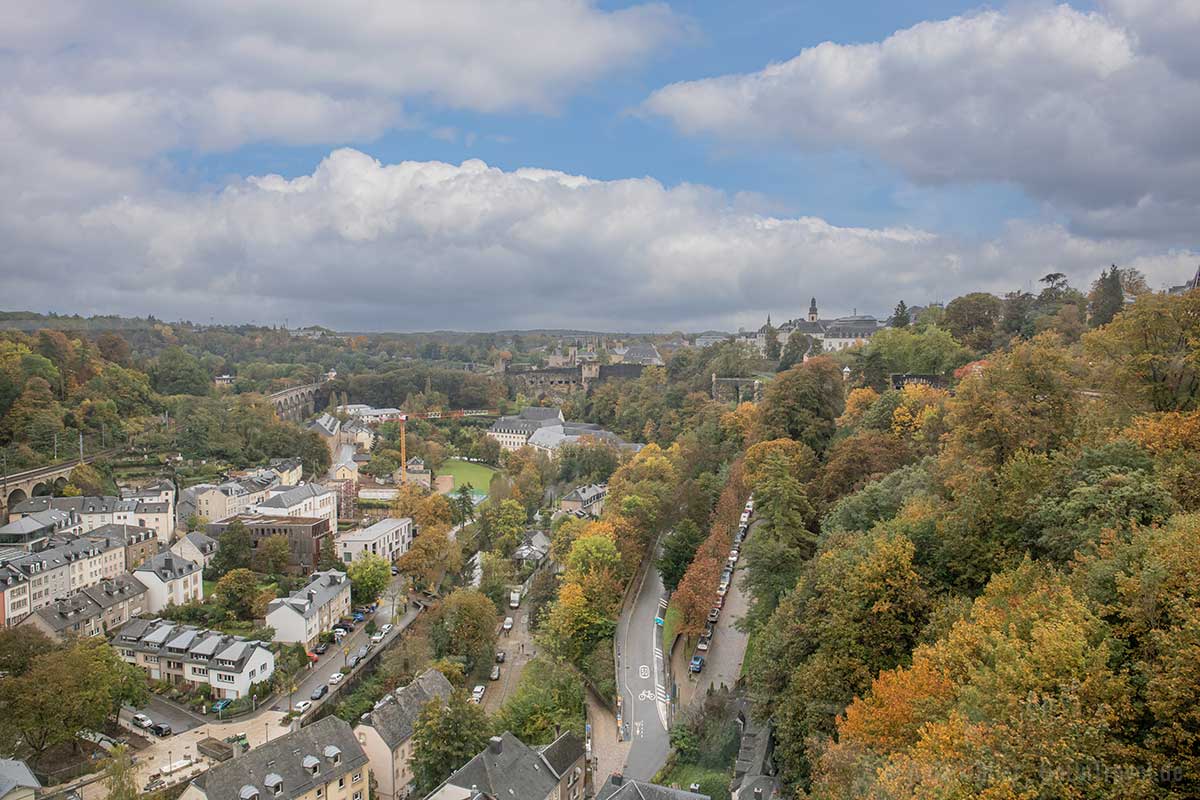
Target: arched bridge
(296, 402)
(20, 486)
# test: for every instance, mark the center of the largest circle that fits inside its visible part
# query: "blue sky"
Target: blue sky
(262, 159)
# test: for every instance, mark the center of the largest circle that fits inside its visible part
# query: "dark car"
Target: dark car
(697, 664)
(395, 570)
(362, 651)
(160, 729)
(319, 692)
(499, 656)
(352, 662)
(321, 649)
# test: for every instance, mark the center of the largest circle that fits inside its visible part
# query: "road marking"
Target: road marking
(643, 671)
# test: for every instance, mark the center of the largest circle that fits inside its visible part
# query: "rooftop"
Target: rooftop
(308, 599)
(396, 715)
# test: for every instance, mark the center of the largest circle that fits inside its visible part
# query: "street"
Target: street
(518, 649)
(641, 678)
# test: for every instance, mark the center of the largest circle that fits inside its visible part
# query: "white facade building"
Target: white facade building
(170, 580)
(389, 539)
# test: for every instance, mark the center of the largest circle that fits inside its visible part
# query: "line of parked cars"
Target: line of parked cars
(714, 615)
(159, 729)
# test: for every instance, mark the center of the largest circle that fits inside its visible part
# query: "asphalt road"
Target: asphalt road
(642, 679)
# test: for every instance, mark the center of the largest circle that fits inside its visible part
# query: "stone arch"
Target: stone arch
(42, 489)
(16, 496)
(60, 483)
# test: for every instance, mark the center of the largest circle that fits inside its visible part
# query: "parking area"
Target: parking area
(518, 647)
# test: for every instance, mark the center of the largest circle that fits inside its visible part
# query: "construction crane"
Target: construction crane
(404, 418)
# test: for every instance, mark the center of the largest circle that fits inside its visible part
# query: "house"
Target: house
(311, 610)
(327, 425)
(385, 732)
(223, 380)
(307, 536)
(619, 787)
(709, 338)
(152, 507)
(14, 596)
(753, 770)
(344, 467)
(549, 438)
(17, 782)
(308, 500)
(508, 769)
(170, 580)
(290, 471)
(198, 547)
(93, 611)
(389, 539)
(588, 499)
(644, 354)
(30, 529)
(513, 432)
(359, 434)
(184, 655)
(417, 473)
(231, 497)
(138, 543)
(533, 549)
(322, 761)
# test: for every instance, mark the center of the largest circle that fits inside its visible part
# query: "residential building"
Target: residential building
(385, 732)
(508, 769)
(644, 354)
(533, 549)
(550, 438)
(754, 770)
(619, 787)
(184, 655)
(322, 761)
(170, 580)
(389, 539)
(311, 610)
(369, 414)
(93, 611)
(138, 543)
(14, 596)
(307, 536)
(513, 432)
(223, 380)
(327, 425)
(360, 434)
(588, 499)
(198, 547)
(289, 470)
(417, 473)
(59, 571)
(344, 467)
(30, 530)
(709, 338)
(17, 781)
(308, 500)
(231, 497)
(95, 512)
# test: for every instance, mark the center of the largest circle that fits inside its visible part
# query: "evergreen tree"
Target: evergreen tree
(1107, 297)
(900, 317)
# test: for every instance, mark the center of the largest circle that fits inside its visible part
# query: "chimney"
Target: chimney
(496, 745)
(617, 779)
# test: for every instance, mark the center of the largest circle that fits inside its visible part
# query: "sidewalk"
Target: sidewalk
(608, 754)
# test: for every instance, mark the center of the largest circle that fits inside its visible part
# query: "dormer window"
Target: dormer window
(333, 754)
(312, 765)
(274, 783)
(248, 792)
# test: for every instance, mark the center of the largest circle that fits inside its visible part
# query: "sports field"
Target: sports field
(478, 475)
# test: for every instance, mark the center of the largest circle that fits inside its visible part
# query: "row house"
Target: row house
(308, 500)
(386, 731)
(94, 611)
(170, 581)
(38, 579)
(508, 768)
(148, 511)
(311, 610)
(185, 655)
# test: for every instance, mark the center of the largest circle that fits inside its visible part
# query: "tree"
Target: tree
(120, 776)
(679, 547)
(1107, 298)
(900, 317)
(179, 372)
(369, 575)
(772, 336)
(432, 554)
(972, 319)
(113, 347)
(233, 549)
(549, 699)
(803, 403)
(20, 647)
(238, 592)
(446, 736)
(464, 627)
(797, 346)
(272, 555)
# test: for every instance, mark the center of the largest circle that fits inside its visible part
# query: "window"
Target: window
(342, 782)
(357, 777)
(358, 796)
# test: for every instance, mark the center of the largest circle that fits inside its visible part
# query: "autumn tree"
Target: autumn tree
(803, 403)
(238, 591)
(234, 549)
(432, 555)
(446, 735)
(464, 627)
(369, 575)
(272, 555)
(972, 319)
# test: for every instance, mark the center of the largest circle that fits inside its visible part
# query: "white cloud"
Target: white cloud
(420, 245)
(1096, 114)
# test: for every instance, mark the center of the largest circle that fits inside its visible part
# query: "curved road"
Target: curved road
(642, 679)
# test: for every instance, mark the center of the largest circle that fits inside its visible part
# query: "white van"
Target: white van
(514, 598)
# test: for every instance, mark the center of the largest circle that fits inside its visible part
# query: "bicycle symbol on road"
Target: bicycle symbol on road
(646, 695)
(644, 671)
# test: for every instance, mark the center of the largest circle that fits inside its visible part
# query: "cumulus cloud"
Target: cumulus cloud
(1097, 114)
(421, 245)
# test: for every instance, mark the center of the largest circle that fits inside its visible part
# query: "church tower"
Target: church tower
(812, 310)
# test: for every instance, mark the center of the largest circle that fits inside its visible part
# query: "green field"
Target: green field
(478, 475)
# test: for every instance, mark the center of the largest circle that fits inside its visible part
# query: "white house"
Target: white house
(196, 546)
(310, 500)
(389, 539)
(385, 732)
(170, 580)
(311, 610)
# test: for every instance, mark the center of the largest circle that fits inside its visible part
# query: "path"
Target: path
(608, 752)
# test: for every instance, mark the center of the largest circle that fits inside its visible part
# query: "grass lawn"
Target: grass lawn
(208, 588)
(714, 781)
(751, 644)
(478, 475)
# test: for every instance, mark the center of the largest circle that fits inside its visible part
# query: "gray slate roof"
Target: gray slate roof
(630, 789)
(294, 495)
(396, 717)
(308, 599)
(15, 773)
(90, 602)
(203, 542)
(508, 769)
(168, 566)
(285, 758)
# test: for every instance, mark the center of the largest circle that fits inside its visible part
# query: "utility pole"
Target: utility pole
(56, 445)
(81, 446)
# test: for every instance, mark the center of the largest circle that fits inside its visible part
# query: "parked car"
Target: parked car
(220, 705)
(714, 615)
(377, 637)
(514, 599)
(499, 656)
(313, 657)
(733, 556)
(161, 729)
(359, 616)
(335, 678)
(696, 664)
(722, 589)
(387, 628)
(141, 721)
(321, 649)
(362, 651)
(395, 570)
(477, 693)
(496, 672)
(353, 661)
(703, 643)
(302, 706)
(319, 692)
(508, 623)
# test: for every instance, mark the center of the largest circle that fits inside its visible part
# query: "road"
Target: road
(518, 647)
(642, 679)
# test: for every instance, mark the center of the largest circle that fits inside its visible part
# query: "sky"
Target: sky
(621, 166)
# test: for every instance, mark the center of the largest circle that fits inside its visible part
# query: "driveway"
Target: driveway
(159, 710)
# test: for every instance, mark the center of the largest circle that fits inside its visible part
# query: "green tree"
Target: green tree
(794, 350)
(120, 776)
(1107, 298)
(238, 591)
(772, 335)
(972, 319)
(548, 699)
(272, 555)
(464, 627)
(234, 549)
(20, 646)
(446, 736)
(679, 547)
(179, 372)
(369, 576)
(900, 317)
(803, 403)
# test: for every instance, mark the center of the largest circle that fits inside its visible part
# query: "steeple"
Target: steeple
(812, 310)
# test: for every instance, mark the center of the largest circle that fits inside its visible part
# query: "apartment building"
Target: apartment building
(32, 529)
(215, 502)
(311, 610)
(59, 571)
(308, 500)
(170, 580)
(322, 761)
(389, 539)
(14, 596)
(93, 611)
(184, 655)
(508, 768)
(513, 432)
(385, 732)
(139, 543)
(587, 499)
(196, 546)
(307, 537)
(148, 511)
